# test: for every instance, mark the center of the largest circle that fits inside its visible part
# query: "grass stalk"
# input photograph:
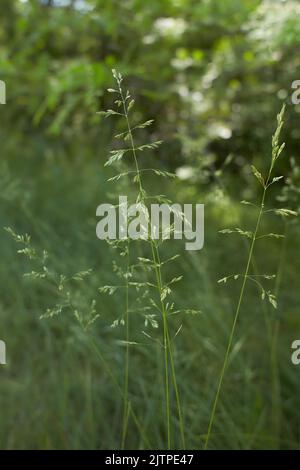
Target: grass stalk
(276, 150)
(130, 411)
(168, 354)
(126, 405)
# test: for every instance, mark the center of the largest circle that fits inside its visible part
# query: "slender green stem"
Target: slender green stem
(165, 344)
(169, 343)
(131, 140)
(141, 192)
(276, 151)
(272, 332)
(126, 375)
(168, 354)
(237, 312)
(116, 384)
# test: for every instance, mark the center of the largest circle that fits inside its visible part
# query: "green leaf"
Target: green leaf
(118, 103)
(35, 275)
(116, 156)
(81, 275)
(258, 175)
(175, 279)
(286, 212)
(117, 177)
(244, 233)
(153, 145)
(53, 312)
(145, 260)
(272, 299)
(151, 319)
(144, 124)
(130, 106)
(164, 174)
(248, 203)
(118, 322)
(110, 290)
(271, 235)
(165, 291)
(191, 311)
(225, 279)
(226, 230)
(109, 112)
(275, 179)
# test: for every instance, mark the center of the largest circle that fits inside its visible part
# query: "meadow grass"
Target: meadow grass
(77, 376)
(126, 103)
(277, 149)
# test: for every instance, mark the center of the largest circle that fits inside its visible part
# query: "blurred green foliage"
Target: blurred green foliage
(211, 73)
